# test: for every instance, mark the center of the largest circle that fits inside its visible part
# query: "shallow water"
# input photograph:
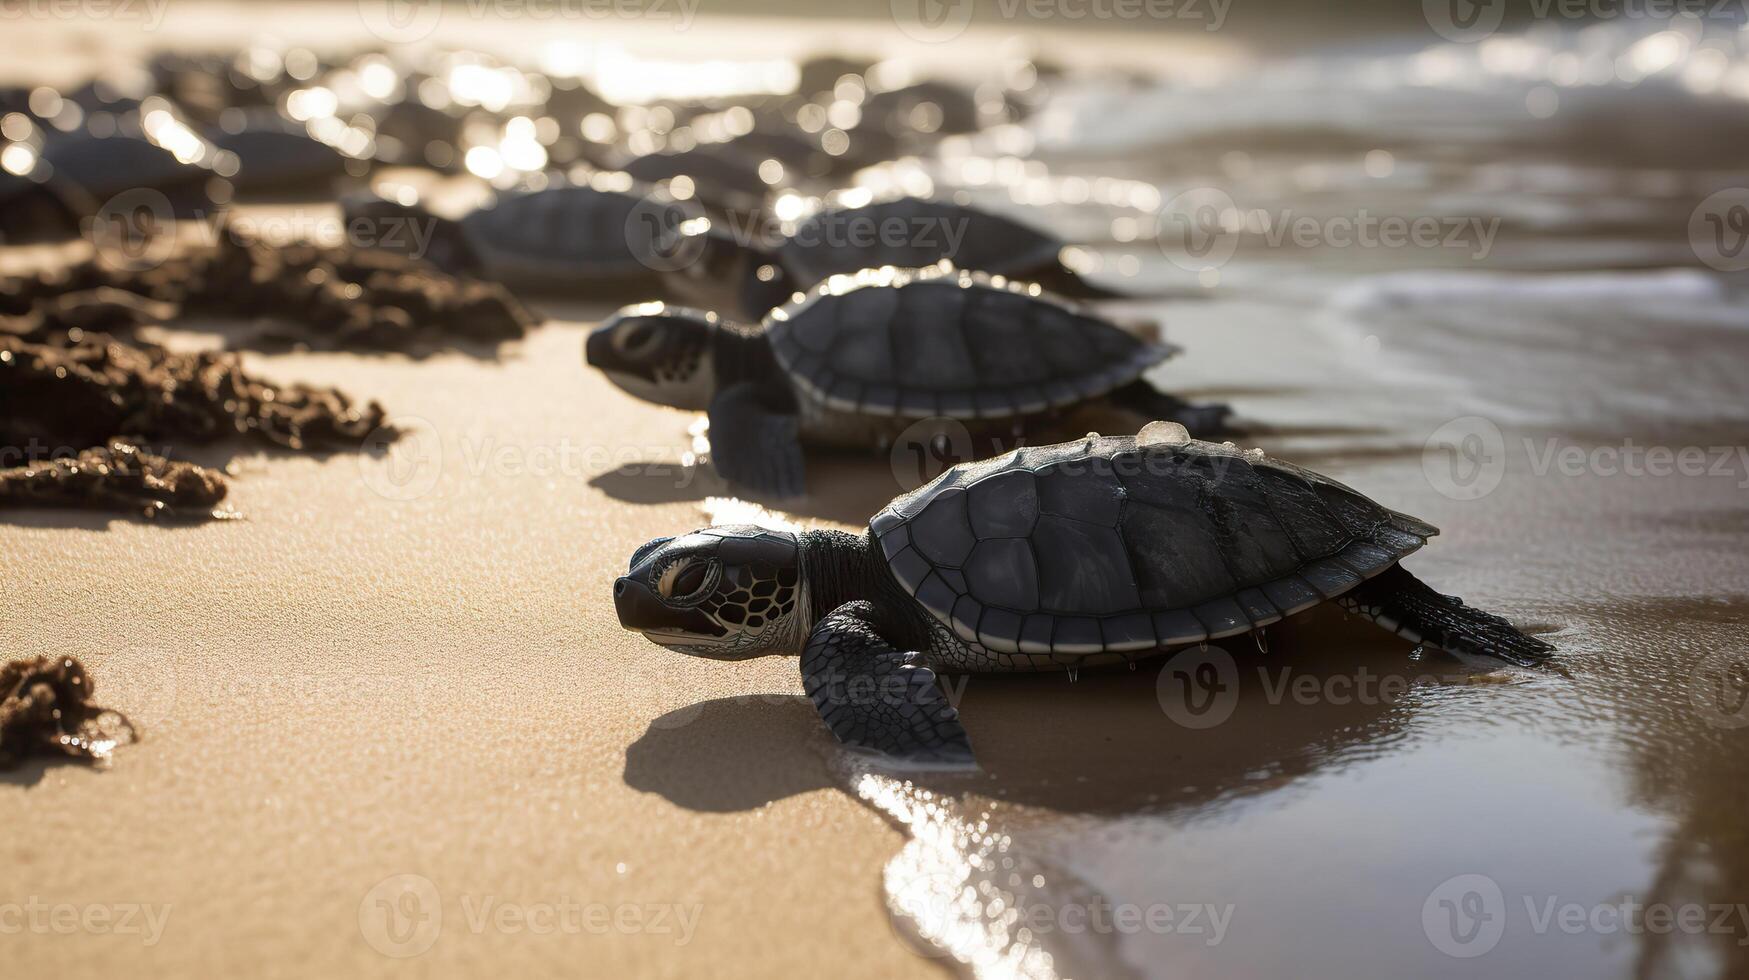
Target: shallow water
(1565, 396)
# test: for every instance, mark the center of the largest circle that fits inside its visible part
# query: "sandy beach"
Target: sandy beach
(392, 726)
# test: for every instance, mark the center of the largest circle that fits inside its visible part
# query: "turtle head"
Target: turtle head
(727, 593)
(659, 353)
(726, 271)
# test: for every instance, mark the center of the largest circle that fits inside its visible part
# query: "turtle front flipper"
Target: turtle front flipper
(755, 443)
(878, 699)
(1201, 421)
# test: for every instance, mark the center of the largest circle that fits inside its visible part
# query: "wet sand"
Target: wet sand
(406, 664)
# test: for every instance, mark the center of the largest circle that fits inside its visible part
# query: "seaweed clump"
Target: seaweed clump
(76, 389)
(335, 296)
(119, 476)
(87, 420)
(46, 708)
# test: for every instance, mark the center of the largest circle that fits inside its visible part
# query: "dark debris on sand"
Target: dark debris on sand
(76, 389)
(66, 389)
(45, 708)
(118, 476)
(328, 296)
(74, 378)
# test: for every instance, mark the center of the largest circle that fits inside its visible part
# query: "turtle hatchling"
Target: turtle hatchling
(723, 270)
(861, 358)
(1097, 551)
(566, 237)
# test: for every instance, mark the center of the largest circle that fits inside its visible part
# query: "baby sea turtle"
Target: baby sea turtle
(861, 358)
(1097, 551)
(275, 153)
(562, 237)
(730, 270)
(722, 177)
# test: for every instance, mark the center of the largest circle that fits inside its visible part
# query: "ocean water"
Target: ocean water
(1524, 374)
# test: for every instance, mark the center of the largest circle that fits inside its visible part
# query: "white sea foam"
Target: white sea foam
(1397, 290)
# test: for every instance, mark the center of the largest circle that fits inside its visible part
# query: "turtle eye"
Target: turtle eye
(683, 579)
(638, 339)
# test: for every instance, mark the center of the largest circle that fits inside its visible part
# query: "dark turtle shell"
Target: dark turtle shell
(1117, 544)
(105, 166)
(274, 152)
(721, 175)
(913, 232)
(572, 233)
(926, 342)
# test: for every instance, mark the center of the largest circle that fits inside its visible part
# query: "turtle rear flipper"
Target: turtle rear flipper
(755, 444)
(1064, 281)
(1202, 421)
(1405, 605)
(880, 700)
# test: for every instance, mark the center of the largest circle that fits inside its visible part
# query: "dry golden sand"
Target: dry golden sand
(344, 687)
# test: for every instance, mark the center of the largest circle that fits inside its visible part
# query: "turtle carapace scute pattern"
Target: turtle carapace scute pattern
(1109, 547)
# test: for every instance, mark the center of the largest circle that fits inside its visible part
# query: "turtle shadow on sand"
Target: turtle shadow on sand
(844, 487)
(848, 486)
(1330, 691)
